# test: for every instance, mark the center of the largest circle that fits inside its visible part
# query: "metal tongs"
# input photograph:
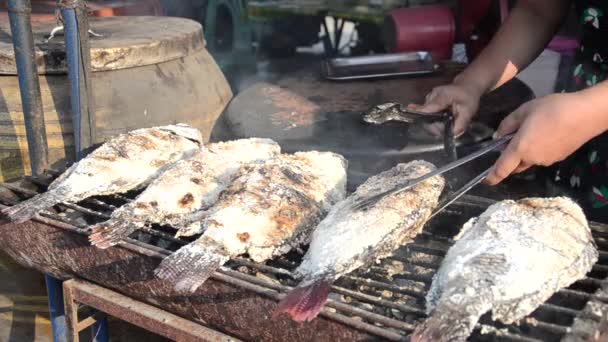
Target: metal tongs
(364, 203)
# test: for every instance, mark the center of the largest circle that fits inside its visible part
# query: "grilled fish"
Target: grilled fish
(187, 187)
(348, 239)
(269, 209)
(509, 260)
(126, 162)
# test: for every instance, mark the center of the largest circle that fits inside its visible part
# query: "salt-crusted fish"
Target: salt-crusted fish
(126, 162)
(187, 187)
(348, 238)
(268, 210)
(509, 260)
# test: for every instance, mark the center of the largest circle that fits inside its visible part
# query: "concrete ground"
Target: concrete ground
(24, 314)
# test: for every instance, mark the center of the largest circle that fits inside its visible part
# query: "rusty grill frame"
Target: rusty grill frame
(355, 300)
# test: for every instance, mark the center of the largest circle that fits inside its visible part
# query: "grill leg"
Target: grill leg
(71, 317)
(100, 330)
(98, 323)
(55, 294)
(79, 292)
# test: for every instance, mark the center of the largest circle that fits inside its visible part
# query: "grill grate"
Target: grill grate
(387, 299)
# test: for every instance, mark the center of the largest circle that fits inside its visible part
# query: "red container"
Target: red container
(428, 28)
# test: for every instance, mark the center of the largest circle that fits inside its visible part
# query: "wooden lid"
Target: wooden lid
(126, 42)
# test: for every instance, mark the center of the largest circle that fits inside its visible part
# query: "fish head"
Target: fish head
(262, 147)
(186, 131)
(385, 112)
(330, 168)
(247, 149)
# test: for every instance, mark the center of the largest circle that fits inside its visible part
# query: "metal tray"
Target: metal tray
(378, 66)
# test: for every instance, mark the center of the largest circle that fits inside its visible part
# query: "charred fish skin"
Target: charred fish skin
(125, 162)
(348, 238)
(188, 186)
(509, 260)
(268, 210)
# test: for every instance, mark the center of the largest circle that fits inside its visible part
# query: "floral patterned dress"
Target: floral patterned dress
(586, 171)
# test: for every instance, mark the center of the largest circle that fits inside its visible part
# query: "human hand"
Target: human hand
(462, 100)
(549, 129)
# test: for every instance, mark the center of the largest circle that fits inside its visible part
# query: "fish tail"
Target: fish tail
(445, 324)
(191, 266)
(109, 233)
(25, 210)
(304, 303)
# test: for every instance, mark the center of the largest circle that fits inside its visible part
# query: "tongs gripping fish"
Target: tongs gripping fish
(363, 203)
(397, 112)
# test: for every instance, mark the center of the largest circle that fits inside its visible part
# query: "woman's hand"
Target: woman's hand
(523, 36)
(462, 100)
(549, 129)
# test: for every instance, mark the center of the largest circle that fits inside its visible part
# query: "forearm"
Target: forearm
(551, 128)
(593, 109)
(522, 37)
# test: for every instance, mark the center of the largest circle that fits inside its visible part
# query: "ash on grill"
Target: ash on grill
(387, 299)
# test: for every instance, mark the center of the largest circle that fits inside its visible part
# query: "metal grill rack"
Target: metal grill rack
(385, 300)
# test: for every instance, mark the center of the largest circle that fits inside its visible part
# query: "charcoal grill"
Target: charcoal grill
(383, 302)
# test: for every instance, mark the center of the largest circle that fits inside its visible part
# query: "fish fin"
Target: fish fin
(110, 233)
(25, 210)
(303, 304)
(446, 323)
(191, 265)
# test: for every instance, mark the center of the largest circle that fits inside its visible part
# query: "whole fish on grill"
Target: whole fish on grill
(509, 260)
(268, 210)
(187, 187)
(348, 238)
(125, 162)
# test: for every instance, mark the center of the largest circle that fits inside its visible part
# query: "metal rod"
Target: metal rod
(560, 309)
(29, 85)
(87, 100)
(71, 46)
(437, 238)
(432, 265)
(365, 202)
(449, 141)
(435, 250)
(387, 286)
(261, 267)
(338, 27)
(379, 301)
(458, 193)
(33, 117)
(509, 336)
(56, 310)
(76, 28)
(165, 236)
(328, 47)
(550, 327)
